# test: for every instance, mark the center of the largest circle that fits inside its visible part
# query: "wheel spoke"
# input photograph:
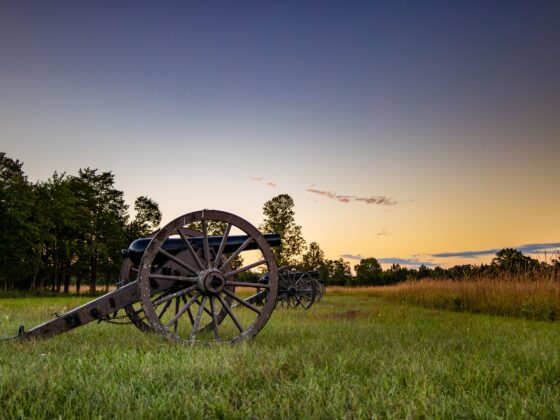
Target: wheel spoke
(236, 252)
(178, 261)
(222, 246)
(230, 313)
(189, 313)
(196, 324)
(177, 302)
(242, 269)
(205, 308)
(183, 309)
(242, 302)
(214, 319)
(190, 248)
(174, 295)
(164, 309)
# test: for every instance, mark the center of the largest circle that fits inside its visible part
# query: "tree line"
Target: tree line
(508, 263)
(68, 229)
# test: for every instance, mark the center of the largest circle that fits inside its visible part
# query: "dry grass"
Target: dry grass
(522, 298)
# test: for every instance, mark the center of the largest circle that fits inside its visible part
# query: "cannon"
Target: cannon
(296, 288)
(184, 283)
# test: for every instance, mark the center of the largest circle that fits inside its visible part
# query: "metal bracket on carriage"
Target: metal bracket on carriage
(20, 335)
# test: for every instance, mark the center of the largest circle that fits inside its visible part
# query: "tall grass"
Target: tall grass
(529, 298)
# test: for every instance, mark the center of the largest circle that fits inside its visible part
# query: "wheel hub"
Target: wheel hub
(292, 290)
(211, 281)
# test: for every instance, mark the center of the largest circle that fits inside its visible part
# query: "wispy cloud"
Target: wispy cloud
(378, 200)
(352, 257)
(526, 249)
(410, 262)
(261, 179)
(465, 254)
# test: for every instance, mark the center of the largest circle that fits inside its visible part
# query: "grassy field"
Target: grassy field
(351, 356)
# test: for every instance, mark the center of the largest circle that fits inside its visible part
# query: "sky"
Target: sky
(412, 132)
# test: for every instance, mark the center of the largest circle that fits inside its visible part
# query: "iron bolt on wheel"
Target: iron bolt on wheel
(210, 303)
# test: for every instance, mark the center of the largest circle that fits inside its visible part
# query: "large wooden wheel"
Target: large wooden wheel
(193, 295)
(321, 290)
(295, 288)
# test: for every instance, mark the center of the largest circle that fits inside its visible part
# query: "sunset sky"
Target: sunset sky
(414, 132)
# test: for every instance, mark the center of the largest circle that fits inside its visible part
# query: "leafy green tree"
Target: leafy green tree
(423, 272)
(20, 235)
(314, 258)
(103, 215)
(395, 274)
(336, 272)
(67, 226)
(60, 223)
(279, 218)
(147, 219)
(368, 272)
(512, 261)
(457, 272)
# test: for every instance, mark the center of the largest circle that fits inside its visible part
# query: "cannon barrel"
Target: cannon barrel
(173, 245)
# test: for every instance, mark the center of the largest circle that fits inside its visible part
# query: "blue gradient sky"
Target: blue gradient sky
(450, 110)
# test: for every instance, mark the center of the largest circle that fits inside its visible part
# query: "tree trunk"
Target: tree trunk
(55, 268)
(93, 275)
(58, 284)
(78, 283)
(107, 279)
(40, 275)
(33, 286)
(66, 282)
